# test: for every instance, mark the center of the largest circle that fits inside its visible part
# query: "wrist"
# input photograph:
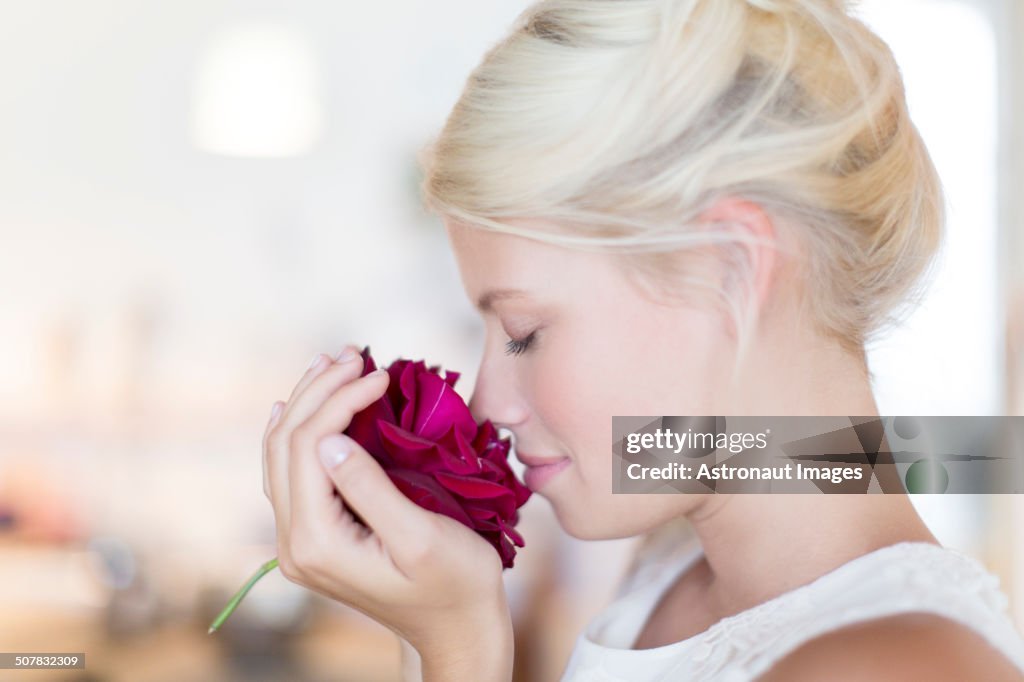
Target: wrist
(410, 658)
(482, 650)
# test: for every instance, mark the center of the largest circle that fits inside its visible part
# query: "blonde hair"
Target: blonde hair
(620, 121)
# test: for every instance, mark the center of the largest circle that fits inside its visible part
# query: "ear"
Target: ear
(754, 252)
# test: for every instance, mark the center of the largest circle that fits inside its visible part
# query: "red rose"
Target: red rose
(424, 437)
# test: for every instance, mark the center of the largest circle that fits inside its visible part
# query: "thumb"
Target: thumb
(400, 524)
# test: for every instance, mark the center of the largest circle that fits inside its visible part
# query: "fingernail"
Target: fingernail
(345, 354)
(334, 450)
(316, 359)
(379, 372)
(275, 411)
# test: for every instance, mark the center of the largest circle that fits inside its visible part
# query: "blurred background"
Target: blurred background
(197, 196)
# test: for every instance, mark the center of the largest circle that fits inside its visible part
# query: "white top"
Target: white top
(908, 576)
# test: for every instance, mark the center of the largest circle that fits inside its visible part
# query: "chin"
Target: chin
(583, 526)
(574, 523)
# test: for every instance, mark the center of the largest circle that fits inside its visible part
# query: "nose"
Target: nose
(495, 396)
(474, 404)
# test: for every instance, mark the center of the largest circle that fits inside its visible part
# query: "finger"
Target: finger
(404, 529)
(279, 439)
(275, 448)
(323, 379)
(318, 363)
(313, 505)
(275, 413)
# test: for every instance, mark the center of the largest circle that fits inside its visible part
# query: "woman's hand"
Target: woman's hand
(428, 578)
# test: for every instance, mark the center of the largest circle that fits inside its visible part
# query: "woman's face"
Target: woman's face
(586, 345)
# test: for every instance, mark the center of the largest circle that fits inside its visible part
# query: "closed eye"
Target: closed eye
(515, 347)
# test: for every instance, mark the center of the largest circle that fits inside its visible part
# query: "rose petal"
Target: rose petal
(484, 435)
(465, 449)
(477, 489)
(480, 513)
(406, 405)
(472, 487)
(480, 525)
(511, 532)
(425, 491)
(521, 492)
(439, 407)
(507, 551)
(406, 449)
(363, 428)
(447, 461)
(368, 364)
(491, 468)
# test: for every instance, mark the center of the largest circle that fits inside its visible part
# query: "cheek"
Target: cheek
(557, 382)
(661, 363)
(680, 368)
(646, 363)
(651, 363)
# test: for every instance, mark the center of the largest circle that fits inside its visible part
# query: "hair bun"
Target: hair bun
(620, 122)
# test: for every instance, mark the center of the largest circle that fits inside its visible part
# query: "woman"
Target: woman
(684, 207)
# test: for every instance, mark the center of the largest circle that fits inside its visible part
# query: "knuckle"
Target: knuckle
(305, 550)
(275, 440)
(422, 544)
(271, 426)
(305, 554)
(354, 476)
(419, 551)
(287, 567)
(302, 437)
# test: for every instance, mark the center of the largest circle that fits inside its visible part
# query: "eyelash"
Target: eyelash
(515, 347)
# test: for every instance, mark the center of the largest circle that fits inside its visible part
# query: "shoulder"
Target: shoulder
(906, 646)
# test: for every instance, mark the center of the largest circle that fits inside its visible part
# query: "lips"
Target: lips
(540, 470)
(532, 461)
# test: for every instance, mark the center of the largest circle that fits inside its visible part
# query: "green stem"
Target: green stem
(233, 604)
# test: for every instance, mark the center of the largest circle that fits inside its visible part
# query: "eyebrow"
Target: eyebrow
(488, 298)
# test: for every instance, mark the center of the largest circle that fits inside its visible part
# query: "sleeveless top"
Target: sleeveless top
(905, 577)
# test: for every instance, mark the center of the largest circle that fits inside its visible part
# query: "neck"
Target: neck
(759, 546)
(793, 375)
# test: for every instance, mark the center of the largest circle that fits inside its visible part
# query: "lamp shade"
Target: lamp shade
(257, 93)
